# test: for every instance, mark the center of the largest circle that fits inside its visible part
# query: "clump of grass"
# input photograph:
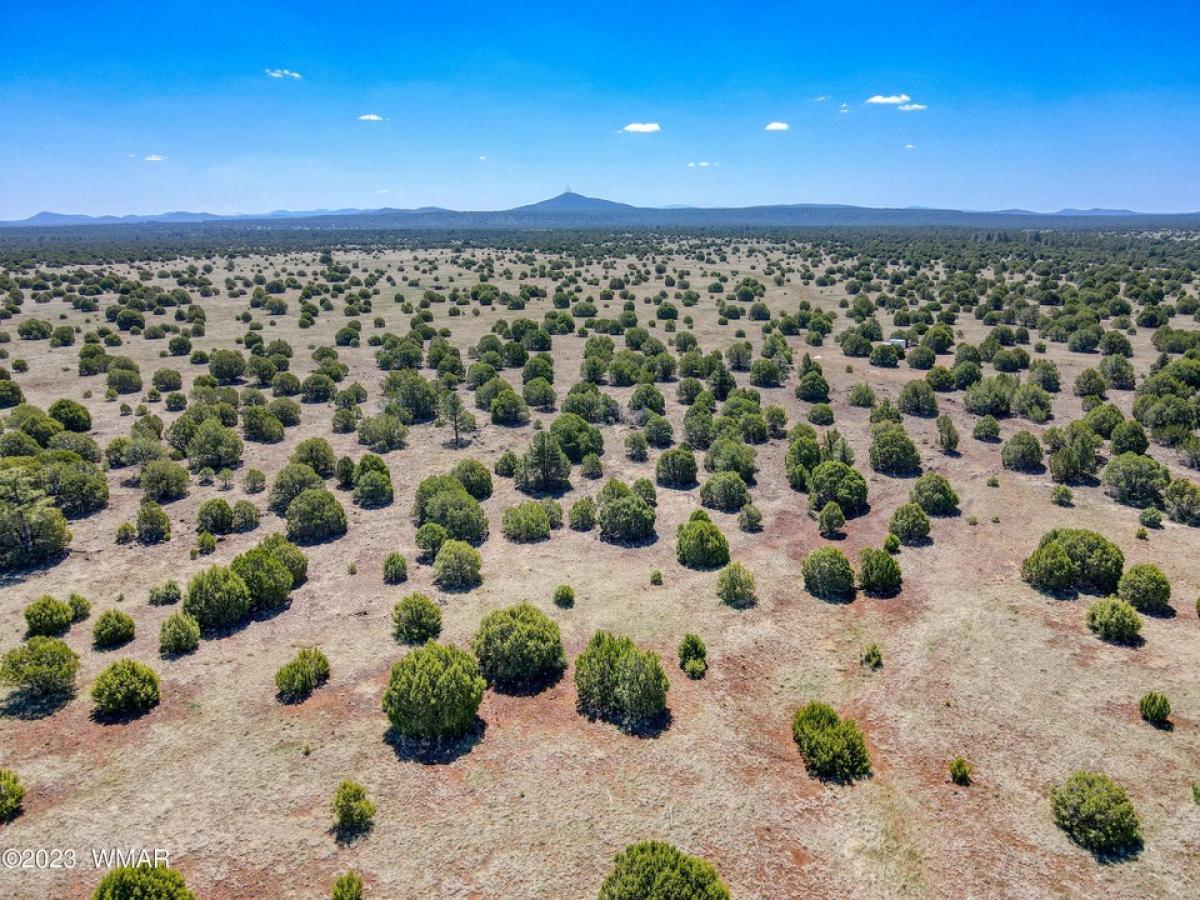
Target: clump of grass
(871, 657)
(960, 771)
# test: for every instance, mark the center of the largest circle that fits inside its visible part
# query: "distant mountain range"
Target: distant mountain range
(572, 210)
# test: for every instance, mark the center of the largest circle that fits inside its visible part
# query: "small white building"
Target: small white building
(898, 342)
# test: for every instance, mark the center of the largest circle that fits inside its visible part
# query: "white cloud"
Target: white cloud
(703, 164)
(642, 127)
(282, 73)
(370, 117)
(844, 108)
(911, 107)
(382, 191)
(777, 126)
(156, 157)
(821, 99)
(483, 158)
(890, 99)
(910, 146)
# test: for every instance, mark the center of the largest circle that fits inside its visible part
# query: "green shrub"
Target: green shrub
(1096, 814)
(1114, 620)
(526, 522)
(292, 480)
(1135, 480)
(827, 574)
(960, 771)
(153, 526)
(71, 415)
(142, 882)
(434, 692)
(676, 468)
(416, 619)
(947, 434)
(244, 516)
(475, 477)
(909, 523)
(871, 657)
(836, 481)
(506, 465)
(725, 491)
(48, 617)
(395, 569)
(932, 492)
(987, 429)
(879, 573)
(833, 748)
(1181, 501)
(42, 667)
(81, 607)
(125, 687)
(430, 538)
(316, 454)
(298, 678)
(1155, 708)
(730, 454)
(266, 578)
(353, 812)
(213, 446)
(820, 414)
(112, 629)
(290, 555)
(1060, 495)
(750, 518)
(254, 481)
(652, 870)
(617, 681)
(347, 886)
(626, 519)
(315, 515)
(553, 512)
(545, 468)
(12, 792)
(582, 516)
(457, 566)
(217, 598)
(179, 634)
(831, 520)
(1146, 589)
(700, 544)
(1074, 559)
(576, 436)
(518, 646)
(373, 490)
(693, 656)
(564, 596)
(444, 501)
(162, 480)
(215, 516)
(736, 586)
(892, 451)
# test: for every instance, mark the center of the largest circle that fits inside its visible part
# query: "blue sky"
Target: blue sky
(131, 107)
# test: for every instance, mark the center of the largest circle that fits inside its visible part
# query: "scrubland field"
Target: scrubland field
(979, 654)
